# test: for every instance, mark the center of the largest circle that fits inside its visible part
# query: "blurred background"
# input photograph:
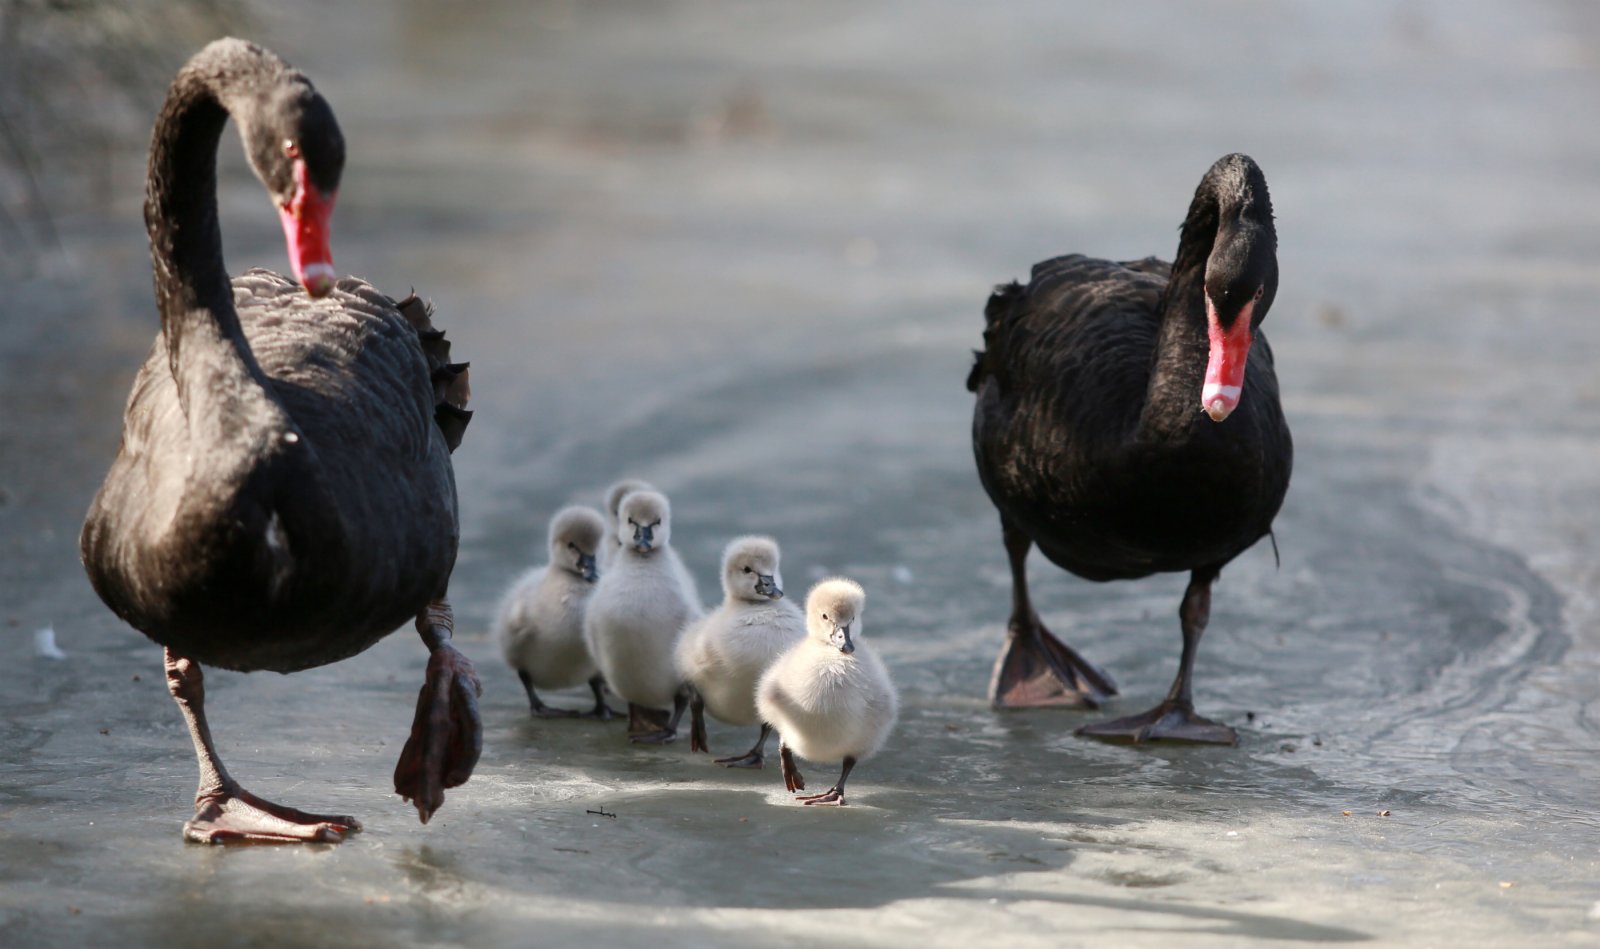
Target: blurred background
(741, 250)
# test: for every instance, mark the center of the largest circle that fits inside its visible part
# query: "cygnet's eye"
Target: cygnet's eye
(632, 522)
(572, 547)
(656, 522)
(824, 616)
(746, 569)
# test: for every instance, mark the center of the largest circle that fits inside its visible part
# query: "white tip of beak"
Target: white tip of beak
(318, 279)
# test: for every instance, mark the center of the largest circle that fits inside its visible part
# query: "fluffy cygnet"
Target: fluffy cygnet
(614, 496)
(539, 624)
(617, 540)
(639, 607)
(829, 697)
(723, 655)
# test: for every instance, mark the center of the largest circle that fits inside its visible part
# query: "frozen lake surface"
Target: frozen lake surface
(744, 254)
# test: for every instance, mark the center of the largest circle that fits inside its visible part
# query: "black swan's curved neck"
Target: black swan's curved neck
(1230, 218)
(192, 287)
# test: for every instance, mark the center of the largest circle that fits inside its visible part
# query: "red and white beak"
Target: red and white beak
(1230, 351)
(306, 228)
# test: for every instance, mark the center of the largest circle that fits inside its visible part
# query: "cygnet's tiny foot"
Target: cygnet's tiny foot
(750, 759)
(601, 711)
(792, 779)
(237, 816)
(446, 734)
(548, 711)
(643, 720)
(662, 737)
(1166, 722)
(833, 797)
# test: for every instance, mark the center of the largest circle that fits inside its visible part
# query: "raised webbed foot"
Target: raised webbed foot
(446, 734)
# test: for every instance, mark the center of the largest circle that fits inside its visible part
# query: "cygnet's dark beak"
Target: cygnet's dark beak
(767, 587)
(643, 539)
(841, 638)
(586, 567)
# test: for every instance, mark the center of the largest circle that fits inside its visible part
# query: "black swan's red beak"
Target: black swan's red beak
(306, 227)
(1230, 351)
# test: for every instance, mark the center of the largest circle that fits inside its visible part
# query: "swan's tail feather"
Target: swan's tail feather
(1004, 299)
(451, 385)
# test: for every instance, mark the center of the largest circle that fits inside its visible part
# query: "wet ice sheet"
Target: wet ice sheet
(744, 257)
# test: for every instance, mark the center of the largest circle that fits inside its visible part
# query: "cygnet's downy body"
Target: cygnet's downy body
(639, 608)
(539, 624)
(829, 697)
(724, 655)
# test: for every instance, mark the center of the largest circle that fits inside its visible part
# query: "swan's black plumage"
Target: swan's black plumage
(283, 496)
(1090, 437)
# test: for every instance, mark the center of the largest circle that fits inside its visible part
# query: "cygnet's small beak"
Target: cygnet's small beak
(643, 539)
(768, 587)
(841, 638)
(586, 567)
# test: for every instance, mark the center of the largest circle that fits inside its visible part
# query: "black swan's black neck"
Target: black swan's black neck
(192, 287)
(1231, 212)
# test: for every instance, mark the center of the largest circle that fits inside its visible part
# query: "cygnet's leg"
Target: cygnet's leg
(792, 779)
(1175, 719)
(601, 711)
(1035, 669)
(446, 735)
(224, 811)
(669, 732)
(755, 757)
(697, 724)
(536, 705)
(835, 794)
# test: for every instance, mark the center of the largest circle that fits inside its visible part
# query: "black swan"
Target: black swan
(283, 496)
(1128, 423)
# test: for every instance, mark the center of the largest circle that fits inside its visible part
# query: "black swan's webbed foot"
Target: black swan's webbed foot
(446, 734)
(224, 811)
(755, 757)
(235, 815)
(1037, 670)
(1168, 721)
(792, 779)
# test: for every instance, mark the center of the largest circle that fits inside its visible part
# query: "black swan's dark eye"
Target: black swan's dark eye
(290, 148)
(1260, 290)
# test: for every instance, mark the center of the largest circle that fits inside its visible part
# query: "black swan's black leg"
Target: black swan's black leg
(835, 794)
(1175, 719)
(1035, 669)
(224, 811)
(755, 757)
